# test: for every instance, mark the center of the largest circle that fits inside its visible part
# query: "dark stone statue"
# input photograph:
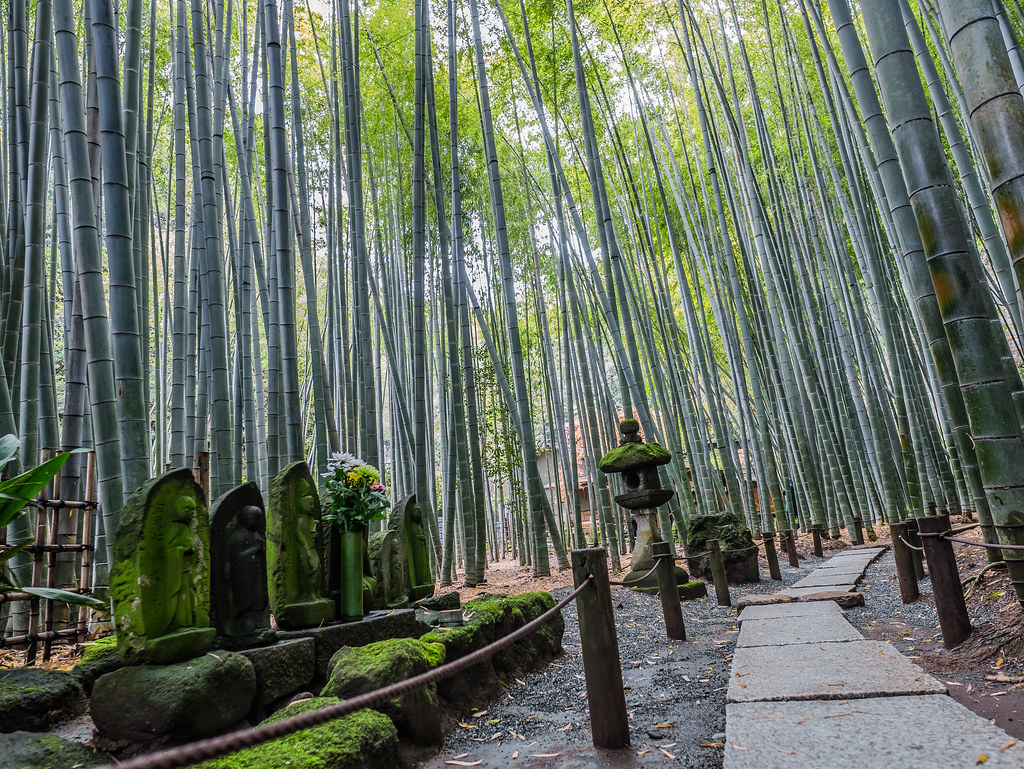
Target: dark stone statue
(160, 581)
(238, 580)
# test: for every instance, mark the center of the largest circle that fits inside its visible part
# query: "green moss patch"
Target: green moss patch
(364, 740)
(98, 657)
(632, 456)
(32, 750)
(33, 699)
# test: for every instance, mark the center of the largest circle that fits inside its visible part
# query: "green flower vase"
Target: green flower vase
(350, 561)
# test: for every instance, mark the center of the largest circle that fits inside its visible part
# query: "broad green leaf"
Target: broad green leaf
(64, 596)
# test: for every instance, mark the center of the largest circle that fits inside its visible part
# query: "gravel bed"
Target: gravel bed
(675, 692)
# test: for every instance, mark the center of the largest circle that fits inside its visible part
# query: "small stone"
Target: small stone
(762, 600)
(845, 600)
(656, 735)
(32, 699)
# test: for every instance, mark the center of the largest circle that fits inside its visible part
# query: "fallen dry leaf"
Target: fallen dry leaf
(670, 756)
(465, 763)
(982, 759)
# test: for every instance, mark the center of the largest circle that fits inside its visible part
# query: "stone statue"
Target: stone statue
(294, 541)
(407, 520)
(160, 581)
(238, 579)
(388, 569)
(638, 462)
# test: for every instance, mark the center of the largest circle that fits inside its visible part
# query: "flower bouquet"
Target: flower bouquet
(357, 495)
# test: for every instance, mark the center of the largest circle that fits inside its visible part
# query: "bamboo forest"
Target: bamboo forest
(532, 277)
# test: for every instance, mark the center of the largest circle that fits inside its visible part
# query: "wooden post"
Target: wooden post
(816, 536)
(771, 555)
(915, 540)
(202, 474)
(794, 560)
(718, 573)
(608, 722)
(669, 591)
(949, 596)
(858, 531)
(905, 571)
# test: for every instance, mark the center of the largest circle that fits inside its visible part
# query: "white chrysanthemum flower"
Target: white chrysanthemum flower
(343, 461)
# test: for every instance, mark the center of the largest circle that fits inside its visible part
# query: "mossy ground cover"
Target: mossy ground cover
(366, 739)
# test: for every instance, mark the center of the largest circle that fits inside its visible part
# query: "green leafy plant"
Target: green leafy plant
(16, 495)
(357, 495)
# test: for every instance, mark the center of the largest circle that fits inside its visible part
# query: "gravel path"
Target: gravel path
(675, 693)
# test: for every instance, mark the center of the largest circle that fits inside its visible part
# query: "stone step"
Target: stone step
(850, 670)
(916, 732)
(799, 592)
(786, 631)
(830, 577)
(780, 610)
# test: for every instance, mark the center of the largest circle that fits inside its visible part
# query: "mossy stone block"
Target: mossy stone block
(634, 456)
(198, 698)
(364, 740)
(738, 553)
(367, 668)
(693, 590)
(33, 699)
(32, 750)
(98, 657)
(282, 669)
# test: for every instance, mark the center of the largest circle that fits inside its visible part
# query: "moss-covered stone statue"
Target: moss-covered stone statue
(240, 602)
(407, 520)
(294, 541)
(638, 462)
(160, 581)
(388, 569)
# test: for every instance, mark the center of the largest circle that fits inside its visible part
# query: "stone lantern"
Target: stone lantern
(638, 462)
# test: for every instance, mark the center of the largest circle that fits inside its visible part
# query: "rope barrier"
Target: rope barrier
(912, 547)
(645, 576)
(945, 535)
(204, 750)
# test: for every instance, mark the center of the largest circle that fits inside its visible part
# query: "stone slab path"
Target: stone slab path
(807, 691)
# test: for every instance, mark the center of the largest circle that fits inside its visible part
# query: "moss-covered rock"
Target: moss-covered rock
(197, 698)
(32, 750)
(364, 740)
(692, 590)
(32, 699)
(357, 670)
(489, 618)
(98, 657)
(733, 536)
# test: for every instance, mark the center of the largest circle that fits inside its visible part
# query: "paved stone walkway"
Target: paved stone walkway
(807, 692)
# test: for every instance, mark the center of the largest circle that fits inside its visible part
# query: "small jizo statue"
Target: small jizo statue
(294, 540)
(238, 579)
(389, 569)
(160, 582)
(407, 520)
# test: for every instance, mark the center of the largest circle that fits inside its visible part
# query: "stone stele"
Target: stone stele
(238, 575)
(160, 582)
(294, 543)
(407, 519)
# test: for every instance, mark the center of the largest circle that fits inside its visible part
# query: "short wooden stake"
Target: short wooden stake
(794, 559)
(669, 591)
(949, 596)
(816, 537)
(601, 665)
(718, 573)
(905, 572)
(915, 540)
(772, 556)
